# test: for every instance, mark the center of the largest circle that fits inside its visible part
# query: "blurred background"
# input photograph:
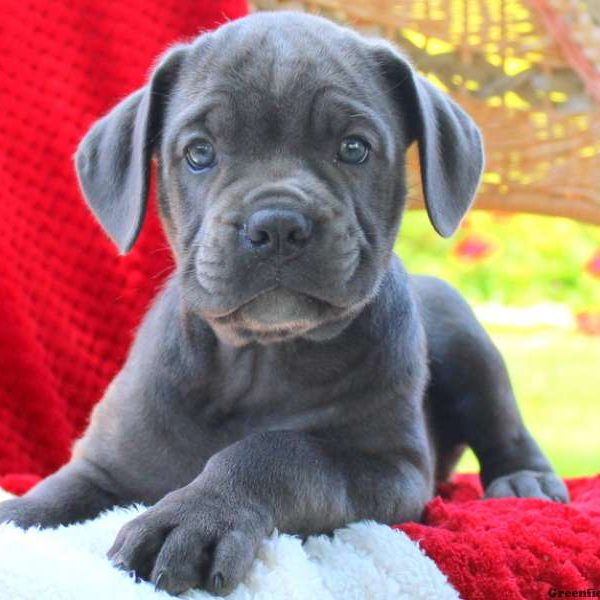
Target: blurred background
(528, 258)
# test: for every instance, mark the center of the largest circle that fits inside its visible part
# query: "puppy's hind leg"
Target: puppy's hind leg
(512, 463)
(472, 401)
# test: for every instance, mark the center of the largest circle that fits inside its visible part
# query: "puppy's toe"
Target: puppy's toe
(528, 484)
(233, 557)
(137, 545)
(554, 487)
(182, 562)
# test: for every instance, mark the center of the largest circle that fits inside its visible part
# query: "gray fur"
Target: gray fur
(291, 374)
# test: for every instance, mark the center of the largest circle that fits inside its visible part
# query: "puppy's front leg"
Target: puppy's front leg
(77, 492)
(207, 533)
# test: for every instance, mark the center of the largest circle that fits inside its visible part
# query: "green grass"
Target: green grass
(556, 377)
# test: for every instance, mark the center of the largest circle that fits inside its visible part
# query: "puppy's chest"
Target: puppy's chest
(257, 391)
(255, 399)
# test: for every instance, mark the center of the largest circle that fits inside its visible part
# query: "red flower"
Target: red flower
(473, 248)
(593, 265)
(501, 216)
(589, 322)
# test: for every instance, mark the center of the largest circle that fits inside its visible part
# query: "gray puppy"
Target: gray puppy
(291, 375)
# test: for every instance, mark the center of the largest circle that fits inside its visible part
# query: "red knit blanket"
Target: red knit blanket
(513, 548)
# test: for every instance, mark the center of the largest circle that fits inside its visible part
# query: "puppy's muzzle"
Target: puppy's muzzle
(277, 231)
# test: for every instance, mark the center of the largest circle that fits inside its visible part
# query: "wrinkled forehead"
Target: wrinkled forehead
(276, 73)
(280, 52)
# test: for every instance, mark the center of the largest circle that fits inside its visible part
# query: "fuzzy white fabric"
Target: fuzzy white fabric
(362, 561)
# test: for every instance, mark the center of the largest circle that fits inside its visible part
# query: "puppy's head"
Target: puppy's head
(280, 142)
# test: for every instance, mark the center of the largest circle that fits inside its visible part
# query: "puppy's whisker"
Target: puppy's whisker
(212, 277)
(211, 252)
(343, 255)
(162, 272)
(209, 263)
(161, 249)
(361, 232)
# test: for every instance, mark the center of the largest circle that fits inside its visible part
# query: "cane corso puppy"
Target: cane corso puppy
(290, 375)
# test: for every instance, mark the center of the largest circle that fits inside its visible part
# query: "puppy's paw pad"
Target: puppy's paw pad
(528, 484)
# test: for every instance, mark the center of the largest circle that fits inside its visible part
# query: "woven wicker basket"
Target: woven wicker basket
(528, 71)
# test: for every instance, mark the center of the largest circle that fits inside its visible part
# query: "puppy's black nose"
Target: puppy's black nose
(284, 231)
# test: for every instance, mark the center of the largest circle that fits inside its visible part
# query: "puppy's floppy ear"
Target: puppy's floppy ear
(450, 145)
(113, 159)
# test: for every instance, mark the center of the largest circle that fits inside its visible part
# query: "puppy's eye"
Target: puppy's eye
(354, 150)
(200, 155)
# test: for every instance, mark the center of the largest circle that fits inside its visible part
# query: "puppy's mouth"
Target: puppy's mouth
(276, 314)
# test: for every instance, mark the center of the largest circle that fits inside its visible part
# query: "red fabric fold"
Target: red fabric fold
(513, 548)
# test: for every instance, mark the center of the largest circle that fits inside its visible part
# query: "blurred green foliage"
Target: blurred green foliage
(513, 259)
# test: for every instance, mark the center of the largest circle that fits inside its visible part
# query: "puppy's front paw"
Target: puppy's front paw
(22, 513)
(181, 543)
(528, 484)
